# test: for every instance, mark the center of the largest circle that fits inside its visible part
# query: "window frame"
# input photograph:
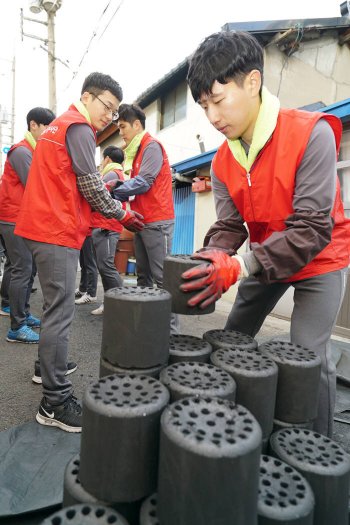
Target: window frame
(178, 103)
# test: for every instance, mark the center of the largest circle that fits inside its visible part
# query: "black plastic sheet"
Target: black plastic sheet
(32, 462)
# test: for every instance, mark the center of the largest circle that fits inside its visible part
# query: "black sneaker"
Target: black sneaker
(66, 416)
(71, 367)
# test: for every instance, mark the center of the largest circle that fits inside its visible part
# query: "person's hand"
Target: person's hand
(211, 279)
(113, 184)
(132, 221)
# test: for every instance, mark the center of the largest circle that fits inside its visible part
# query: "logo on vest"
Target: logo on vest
(51, 129)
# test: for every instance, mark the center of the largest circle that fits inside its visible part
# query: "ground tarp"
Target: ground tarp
(33, 458)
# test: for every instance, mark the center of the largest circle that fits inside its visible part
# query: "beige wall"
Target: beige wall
(317, 72)
(180, 139)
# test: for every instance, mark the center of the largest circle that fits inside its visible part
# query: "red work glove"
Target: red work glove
(216, 278)
(132, 221)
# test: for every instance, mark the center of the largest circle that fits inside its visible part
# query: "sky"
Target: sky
(137, 42)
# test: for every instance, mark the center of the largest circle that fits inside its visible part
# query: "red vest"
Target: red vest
(268, 201)
(53, 210)
(11, 188)
(99, 221)
(157, 203)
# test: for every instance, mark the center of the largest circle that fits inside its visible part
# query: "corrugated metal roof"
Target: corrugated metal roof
(277, 26)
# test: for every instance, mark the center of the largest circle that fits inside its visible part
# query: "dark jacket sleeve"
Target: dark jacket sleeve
(151, 164)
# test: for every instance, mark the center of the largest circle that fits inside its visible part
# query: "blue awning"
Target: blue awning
(339, 109)
(193, 163)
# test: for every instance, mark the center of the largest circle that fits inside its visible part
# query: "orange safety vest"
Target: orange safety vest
(99, 221)
(53, 210)
(157, 203)
(11, 188)
(264, 197)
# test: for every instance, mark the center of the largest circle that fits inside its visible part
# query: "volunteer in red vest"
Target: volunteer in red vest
(63, 185)
(274, 177)
(13, 182)
(106, 232)
(149, 191)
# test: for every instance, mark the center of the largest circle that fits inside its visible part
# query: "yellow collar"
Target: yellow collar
(29, 138)
(82, 110)
(111, 166)
(131, 150)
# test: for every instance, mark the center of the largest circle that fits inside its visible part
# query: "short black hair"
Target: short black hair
(130, 113)
(222, 57)
(96, 83)
(40, 116)
(114, 153)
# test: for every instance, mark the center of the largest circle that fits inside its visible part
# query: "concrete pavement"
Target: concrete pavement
(19, 397)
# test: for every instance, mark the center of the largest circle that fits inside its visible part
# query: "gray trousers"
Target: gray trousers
(105, 244)
(5, 284)
(88, 275)
(152, 245)
(22, 275)
(57, 270)
(317, 302)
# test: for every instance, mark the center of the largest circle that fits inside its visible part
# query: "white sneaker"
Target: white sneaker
(99, 310)
(85, 299)
(78, 293)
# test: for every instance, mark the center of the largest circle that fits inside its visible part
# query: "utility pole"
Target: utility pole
(51, 7)
(12, 136)
(51, 58)
(7, 118)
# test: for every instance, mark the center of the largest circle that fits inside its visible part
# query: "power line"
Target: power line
(94, 34)
(110, 20)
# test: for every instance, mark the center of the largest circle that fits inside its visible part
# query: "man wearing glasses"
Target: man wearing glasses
(108, 108)
(63, 187)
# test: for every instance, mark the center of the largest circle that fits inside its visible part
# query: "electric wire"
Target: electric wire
(297, 40)
(93, 36)
(110, 20)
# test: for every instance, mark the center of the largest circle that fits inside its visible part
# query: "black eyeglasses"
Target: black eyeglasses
(115, 114)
